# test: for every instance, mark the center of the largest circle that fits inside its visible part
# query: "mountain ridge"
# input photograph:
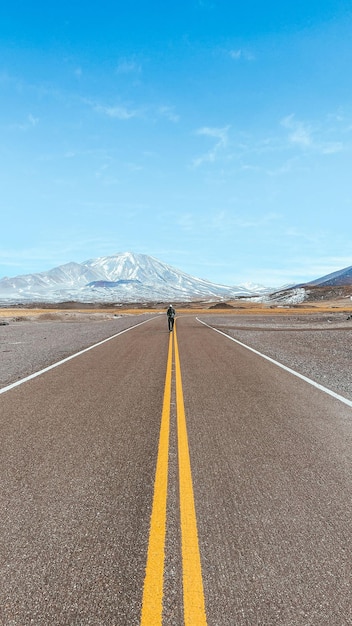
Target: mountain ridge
(336, 285)
(122, 277)
(128, 277)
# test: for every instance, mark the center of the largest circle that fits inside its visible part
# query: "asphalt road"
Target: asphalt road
(266, 510)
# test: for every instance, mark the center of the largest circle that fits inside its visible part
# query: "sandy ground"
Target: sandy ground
(315, 343)
(31, 341)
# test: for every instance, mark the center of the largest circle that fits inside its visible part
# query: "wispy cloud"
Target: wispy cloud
(186, 222)
(310, 237)
(305, 136)
(169, 113)
(332, 147)
(241, 55)
(221, 137)
(29, 123)
(206, 4)
(223, 221)
(123, 112)
(128, 65)
(118, 112)
(267, 218)
(300, 133)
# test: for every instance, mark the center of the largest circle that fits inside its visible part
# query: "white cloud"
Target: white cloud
(128, 66)
(333, 147)
(301, 136)
(255, 222)
(224, 221)
(117, 112)
(241, 55)
(33, 120)
(287, 167)
(186, 222)
(169, 113)
(312, 237)
(218, 133)
(235, 54)
(29, 123)
(221, 136)
(304, 136)
(300, 133)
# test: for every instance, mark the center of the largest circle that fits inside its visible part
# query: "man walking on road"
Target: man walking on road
(171, 316)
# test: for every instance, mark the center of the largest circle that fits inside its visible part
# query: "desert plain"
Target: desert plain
(313, 339)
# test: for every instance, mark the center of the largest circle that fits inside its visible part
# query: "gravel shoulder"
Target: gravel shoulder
(316, 345)
(28, 344)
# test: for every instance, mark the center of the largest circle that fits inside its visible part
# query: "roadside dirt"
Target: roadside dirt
(317, 345)
(30, 342)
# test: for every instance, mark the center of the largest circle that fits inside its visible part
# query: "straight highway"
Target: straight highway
(174, 478)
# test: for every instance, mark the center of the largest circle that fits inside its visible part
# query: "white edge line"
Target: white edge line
(73, 356)
(284, 367)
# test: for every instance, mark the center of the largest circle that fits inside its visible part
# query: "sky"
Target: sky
(213, 135)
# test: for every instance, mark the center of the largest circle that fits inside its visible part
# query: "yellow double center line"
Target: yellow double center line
(193, 595)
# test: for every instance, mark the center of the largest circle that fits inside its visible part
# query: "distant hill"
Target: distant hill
(339, 278)
(337, 285)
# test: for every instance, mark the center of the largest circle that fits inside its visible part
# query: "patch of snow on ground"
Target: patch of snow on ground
(286, 297)
(294, 296)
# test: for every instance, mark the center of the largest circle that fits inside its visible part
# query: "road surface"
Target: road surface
(174, 478)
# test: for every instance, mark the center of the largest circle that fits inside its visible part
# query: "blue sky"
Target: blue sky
(213, 135)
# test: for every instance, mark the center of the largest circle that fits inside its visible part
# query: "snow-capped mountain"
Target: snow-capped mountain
(124, 277)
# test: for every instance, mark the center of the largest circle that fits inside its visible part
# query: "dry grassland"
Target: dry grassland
(235, 308)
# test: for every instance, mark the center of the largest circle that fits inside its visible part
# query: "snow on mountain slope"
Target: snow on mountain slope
(44, 285)
(124, 277)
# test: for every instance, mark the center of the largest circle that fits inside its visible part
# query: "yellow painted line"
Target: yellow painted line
(152, 603)
(193, 594)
